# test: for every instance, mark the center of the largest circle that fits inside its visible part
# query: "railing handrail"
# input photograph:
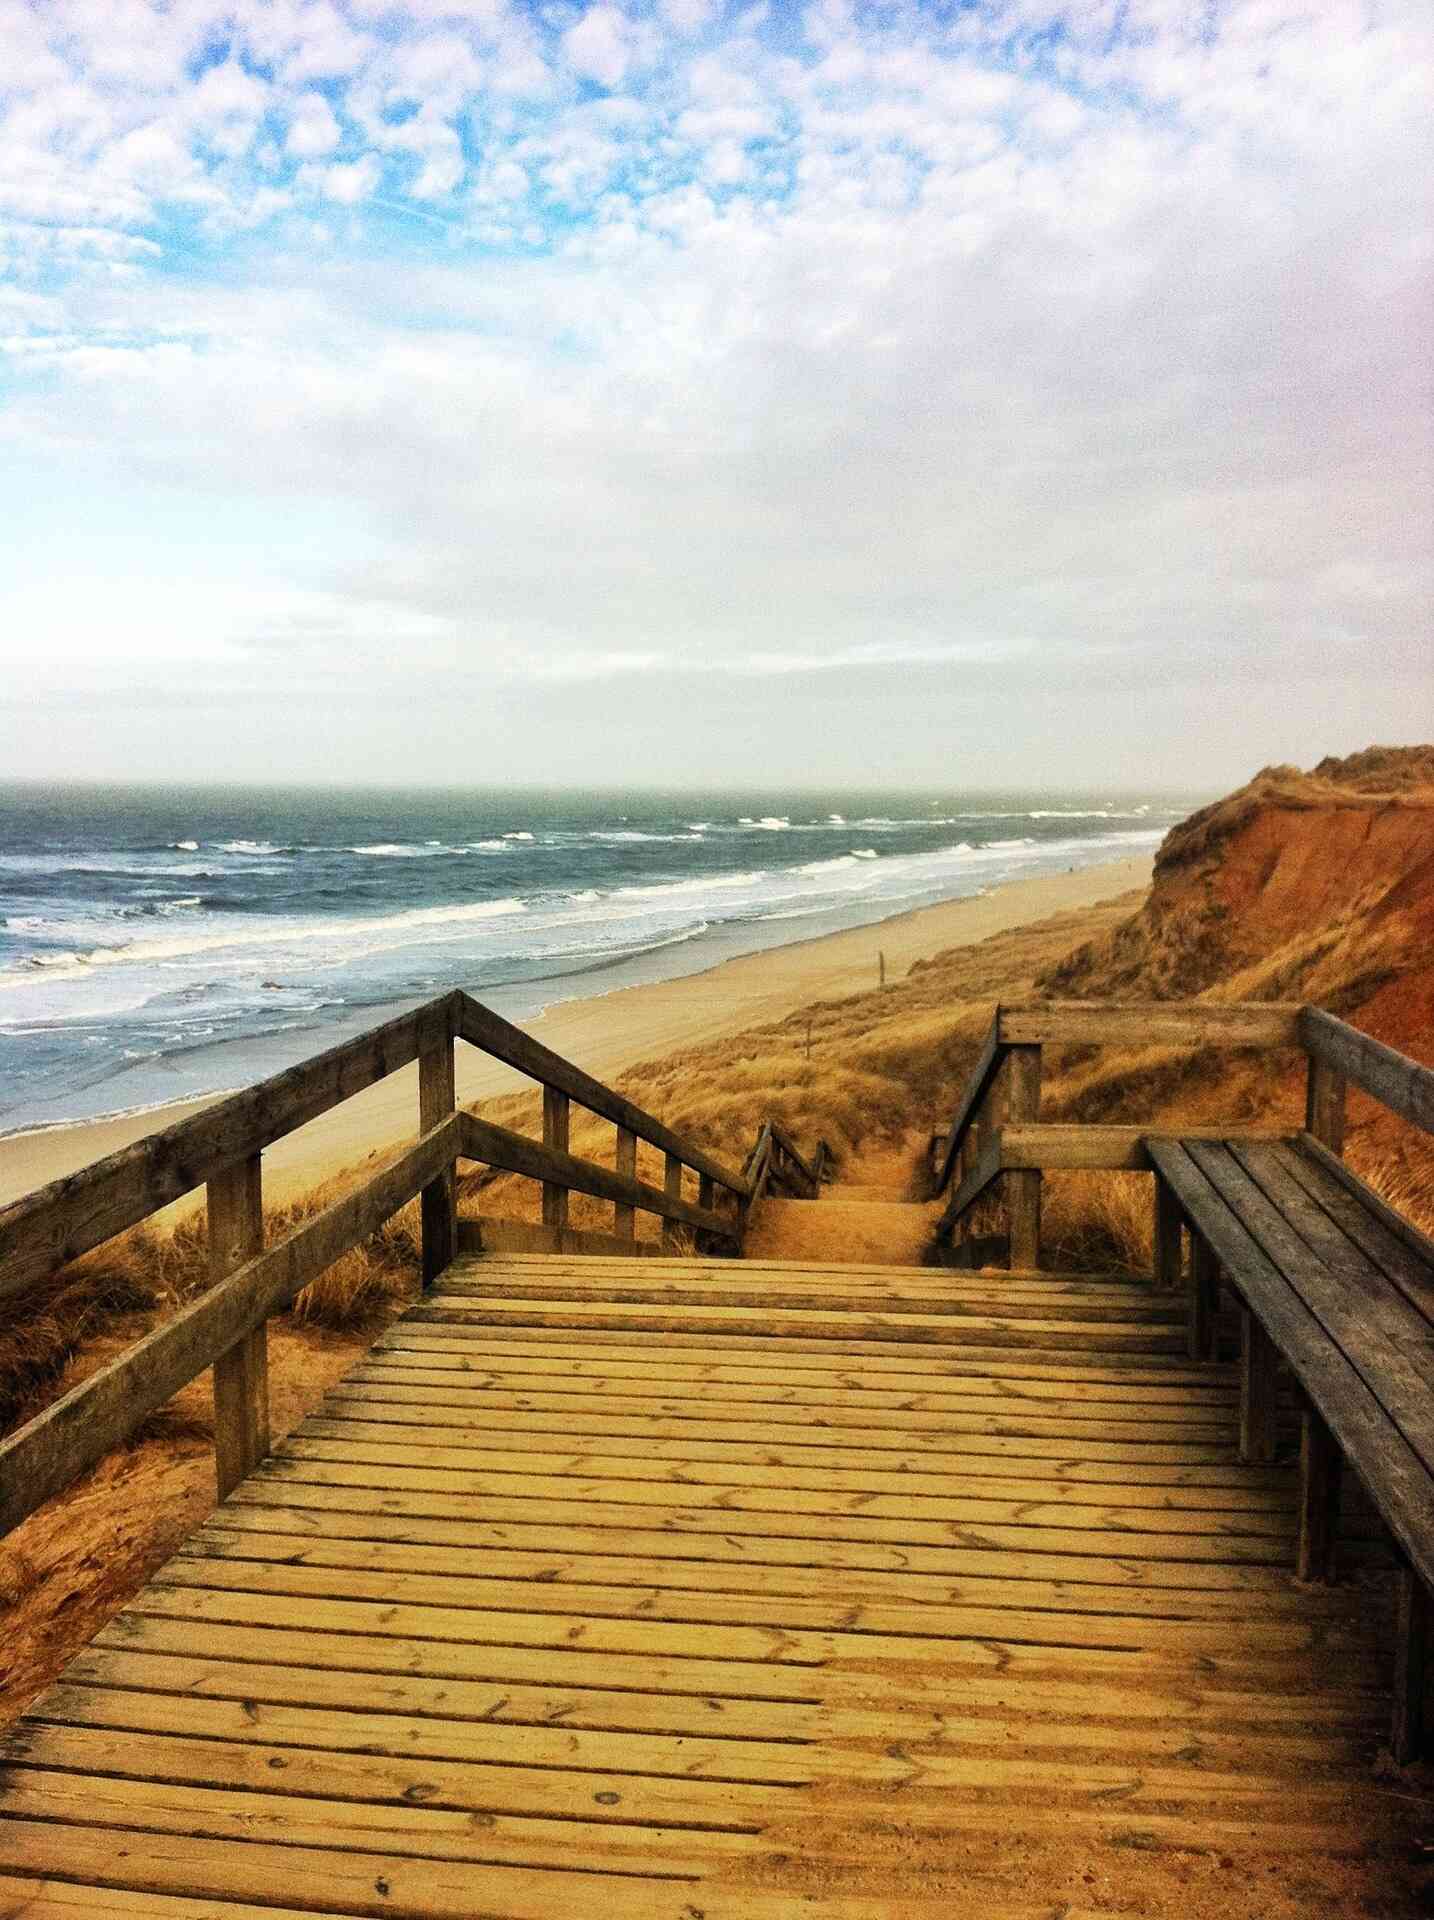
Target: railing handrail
(47, 1453)
(1038, 1023)
(1337, 1052)
(1391, 1077)
(45, 1230)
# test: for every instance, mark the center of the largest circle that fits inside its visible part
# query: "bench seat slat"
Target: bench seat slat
(1398, 1480)
(1394, 1257)
(1371, 1323)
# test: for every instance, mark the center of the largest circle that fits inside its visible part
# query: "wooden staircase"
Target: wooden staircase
(676, 1587)
(628, 1582)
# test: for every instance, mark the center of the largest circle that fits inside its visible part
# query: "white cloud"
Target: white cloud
(313, 129)
(600, 45)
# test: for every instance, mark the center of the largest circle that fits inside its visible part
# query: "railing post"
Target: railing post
(672, 1187)
(235, 1202)
(556, 1115)
(1259, 1391)
(438, 1203)
(1415, 1629)
(1204, 1299)
(1023, 1189)
(1325, 1093)
(1169, 1223)
(624, 1218)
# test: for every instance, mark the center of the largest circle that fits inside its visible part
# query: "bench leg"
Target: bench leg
(1204, 1299)
(1258, 1396)
(1168, 1223)
(1321, 1465)
(1411, 1668)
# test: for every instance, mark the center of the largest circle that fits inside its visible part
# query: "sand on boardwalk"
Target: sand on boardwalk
(609, 1033)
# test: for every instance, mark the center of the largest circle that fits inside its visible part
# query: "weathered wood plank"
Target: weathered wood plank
(1083, 1023)
(624, 1215)
(978, 1085)
(1395, 1244)
(488, 1236)
(1023, 1187)
(1320, 1472)
(1394, 1473)
(484, 1029)
(1414, 1631)
(1400, 1083)
(987, 1167)
(672, 1189)
(1058, 1146)
(73, 1214)
(45, 1455)
(241, 1374)
(438, 1203)
(556, 1135)
(516, 1153)
(1326, 1092)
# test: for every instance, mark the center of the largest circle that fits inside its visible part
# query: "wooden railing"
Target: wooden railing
(996, 1133)
(777, 1161)
(220, 1149)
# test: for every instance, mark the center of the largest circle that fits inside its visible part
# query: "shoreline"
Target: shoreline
(605, 1033)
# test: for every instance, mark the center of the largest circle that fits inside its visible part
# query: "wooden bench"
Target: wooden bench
(1341, 1289)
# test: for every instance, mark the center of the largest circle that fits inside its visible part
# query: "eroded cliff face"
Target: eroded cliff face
(1311, 886)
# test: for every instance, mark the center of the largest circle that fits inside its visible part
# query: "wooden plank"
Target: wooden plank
(438, 1203)
(624, 1215)
(1059, 1146)
(327, 1520)
(798, 1159)
(1394, 1244)
(1320, 1465)
(1204, 1299)
(485, 1235)
(241, 1374)
(1413, 1632)
(371, 1884)
(69, 1216)
(978, 1084)
(1188, 1023)
(489, 1032)
(834, 1323)
(641, 1577)
(1394, 1473)
(1326, 1092)
(987, 1167)
(1169, 1274)
(1023, 1188)
(648, 1288)
(1395, 1080)
(797, 1483)
(555, 1135)
(698, 1605)
(47, 1453)
(1259, 1391)
(1384, 1337)
(219, 1811)
(672, 1188)
(515, 1153)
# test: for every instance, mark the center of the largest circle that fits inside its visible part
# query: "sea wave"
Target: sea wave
(342, 933)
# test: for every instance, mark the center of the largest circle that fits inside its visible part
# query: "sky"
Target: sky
(656, 391)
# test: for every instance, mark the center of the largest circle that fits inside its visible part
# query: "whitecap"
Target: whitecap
(517, 836)
(184, 846)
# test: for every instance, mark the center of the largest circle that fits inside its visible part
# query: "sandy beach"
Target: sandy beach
(610, 1032)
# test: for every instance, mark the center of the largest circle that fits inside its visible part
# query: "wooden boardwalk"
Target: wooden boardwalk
(687, 1590)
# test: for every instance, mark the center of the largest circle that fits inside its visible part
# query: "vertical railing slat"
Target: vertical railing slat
(235, 1201)
(438, 1203)
(556, 1130)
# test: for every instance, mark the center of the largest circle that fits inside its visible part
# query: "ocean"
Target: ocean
(156, 945)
